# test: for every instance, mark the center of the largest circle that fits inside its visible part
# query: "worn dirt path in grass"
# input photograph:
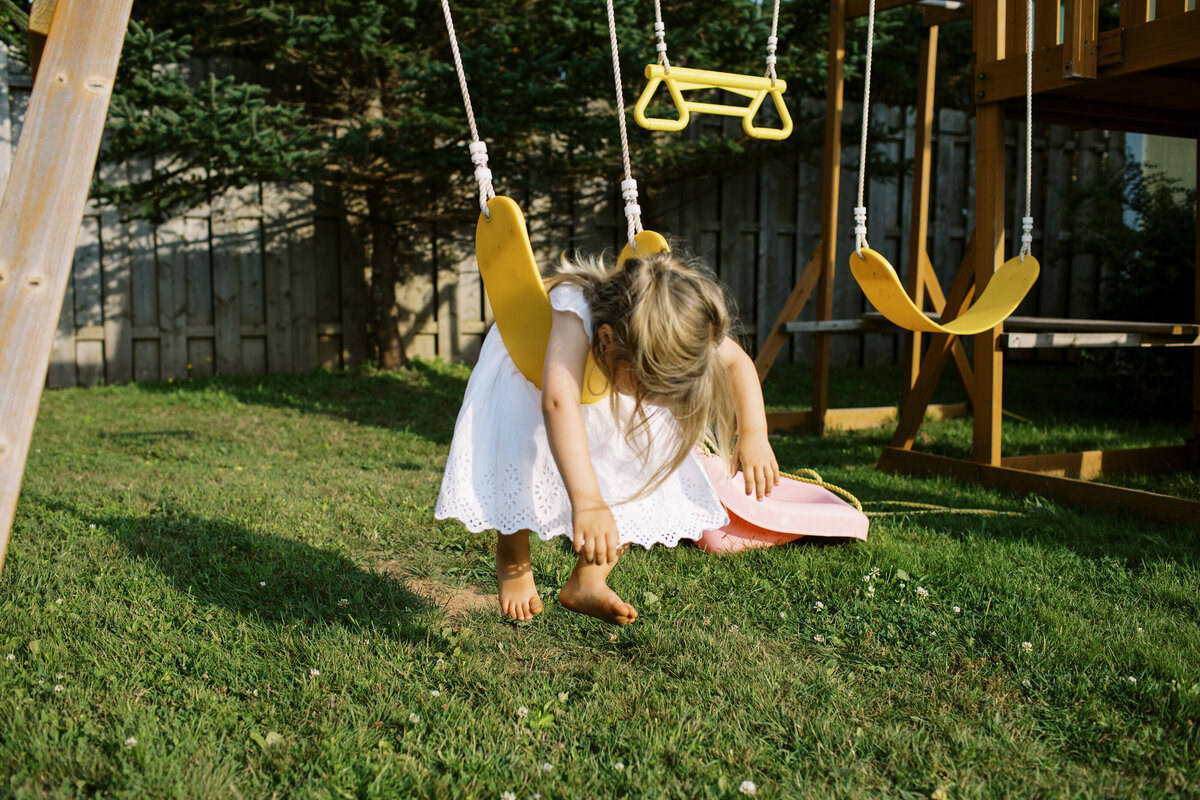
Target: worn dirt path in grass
(457, 600)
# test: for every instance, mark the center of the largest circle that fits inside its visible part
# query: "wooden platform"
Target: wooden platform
(1036, 332)
(1071, 491)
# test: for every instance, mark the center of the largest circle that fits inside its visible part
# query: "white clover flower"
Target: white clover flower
(734, 628)
(58, 676)
(819, 606)
(748, 788)
(870, 591)
(10, 657)
(957, 610)
(262, 583)
(866, 578)
(414, 718)
(345, 601)
(1027, 647)
(435, 693)
(59, 601)
(1132, 679)
(1141, 629)
(58, 687)
(547, 766)
(92, 527)
(783, 615)
(441, 662)
(903, 585)
(522, 712)
(255, 692)
(1027, 684)
(507, 796)
(312, 673)
(819, 639)
(619, 766)
(130, 743)
(922, 591)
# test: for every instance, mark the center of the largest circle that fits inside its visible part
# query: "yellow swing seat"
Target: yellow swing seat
(518, 295)
(683, 79)
(1003, 293)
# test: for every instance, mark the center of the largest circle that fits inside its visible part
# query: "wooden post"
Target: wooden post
(1196, 351)
(829, 202)
(1045, 24)
(1080, 51)
(41, 212)
(989, 233)
(1134, 12)
(40, 14)
(922, 160)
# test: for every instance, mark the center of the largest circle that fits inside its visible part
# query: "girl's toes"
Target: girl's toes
(535, 605)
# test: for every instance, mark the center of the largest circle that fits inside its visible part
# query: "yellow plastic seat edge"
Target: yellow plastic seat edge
(1004, 292)
(518, 295)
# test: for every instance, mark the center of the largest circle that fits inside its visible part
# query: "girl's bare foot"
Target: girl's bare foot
(587, 592)
(514, 577)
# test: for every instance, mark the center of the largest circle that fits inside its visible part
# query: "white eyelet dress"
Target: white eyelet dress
(500, 474)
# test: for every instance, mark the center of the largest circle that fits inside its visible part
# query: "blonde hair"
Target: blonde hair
(668, 322)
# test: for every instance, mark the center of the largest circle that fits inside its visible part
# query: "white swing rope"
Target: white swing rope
(629, 191)
(1027, 220)
(660, 35)
(477, 148)
(860, 211)
(772, 41)
(660, 44)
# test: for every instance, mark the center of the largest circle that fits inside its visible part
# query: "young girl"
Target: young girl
(619, 471)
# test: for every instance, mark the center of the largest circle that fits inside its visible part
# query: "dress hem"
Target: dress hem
(547, 536)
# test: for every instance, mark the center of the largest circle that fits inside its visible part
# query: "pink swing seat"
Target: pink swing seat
(794, 509)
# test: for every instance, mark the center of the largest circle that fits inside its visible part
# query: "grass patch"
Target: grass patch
(186, 555)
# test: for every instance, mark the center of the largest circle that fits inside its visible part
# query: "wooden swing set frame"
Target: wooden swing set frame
(1142, 76)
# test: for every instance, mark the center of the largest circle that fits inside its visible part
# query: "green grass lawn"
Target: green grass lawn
(235, 588)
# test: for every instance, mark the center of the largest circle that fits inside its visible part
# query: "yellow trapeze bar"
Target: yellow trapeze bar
(1004, 292)
(518, 296)
(682, 79)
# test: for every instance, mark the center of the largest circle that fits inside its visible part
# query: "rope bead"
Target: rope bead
(860, 228)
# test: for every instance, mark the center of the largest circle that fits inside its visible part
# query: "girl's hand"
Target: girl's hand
(596, 539)
(760, 470)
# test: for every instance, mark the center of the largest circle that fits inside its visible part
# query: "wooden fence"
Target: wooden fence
(269, 279)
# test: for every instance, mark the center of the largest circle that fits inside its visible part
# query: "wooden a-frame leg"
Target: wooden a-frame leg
(938, 300)
(912, 410)
(789, 313)
(41, 212)
(919, 270)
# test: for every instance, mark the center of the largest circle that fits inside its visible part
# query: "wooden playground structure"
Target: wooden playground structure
(1141, 76)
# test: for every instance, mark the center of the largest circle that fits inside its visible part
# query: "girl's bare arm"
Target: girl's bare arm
(595, 532)
(753, 451)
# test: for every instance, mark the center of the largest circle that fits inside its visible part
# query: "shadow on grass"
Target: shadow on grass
(224, 564)
(423, 398)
